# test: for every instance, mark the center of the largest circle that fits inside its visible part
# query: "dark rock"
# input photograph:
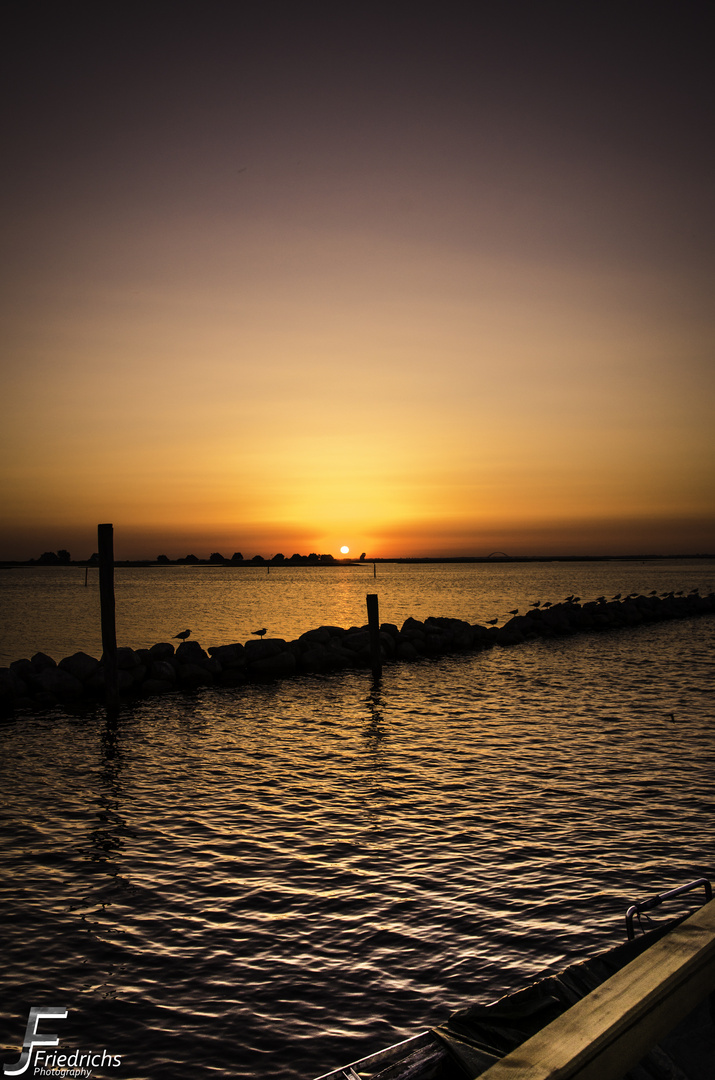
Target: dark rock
(414, 632)
(321, 636)
(42, 700)
(41, 660)
(60, 683)
(157, 686)
(162, 671)
(631, 613)
(554, 621)
(406, 651)
(96, 685)
(277, 666)
(11, 685)
(139, 674)
(193, 675)
(458, 633)
(315, 658)
(229, 655)
(436, 642)
(232, 676)
(162, 650)
(340, 657)
(189, 652)
(356, 641)
(22, 668)
(509, 634)
(127, 659)
(264, 649)
(388, 645)
(482, 636)
(80, 664)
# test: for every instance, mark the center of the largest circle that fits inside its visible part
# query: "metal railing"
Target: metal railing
(655, 901)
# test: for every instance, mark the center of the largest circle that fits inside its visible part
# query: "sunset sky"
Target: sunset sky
(420, 280)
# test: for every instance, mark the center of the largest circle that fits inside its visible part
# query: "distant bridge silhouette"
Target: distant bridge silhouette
(498, 554)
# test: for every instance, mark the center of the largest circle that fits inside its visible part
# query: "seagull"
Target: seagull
(536, 603)
(547, 603)
(183, 635)
(492, 622)
(260, 632)
(617, 596)
(515, 611)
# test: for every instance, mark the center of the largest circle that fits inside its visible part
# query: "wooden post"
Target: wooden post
(374, 569)
(373, 619)
(105, 541)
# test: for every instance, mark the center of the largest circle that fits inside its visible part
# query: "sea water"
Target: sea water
(277, 879)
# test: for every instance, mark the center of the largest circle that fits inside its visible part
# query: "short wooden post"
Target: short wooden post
(373, 619)
(105, 542)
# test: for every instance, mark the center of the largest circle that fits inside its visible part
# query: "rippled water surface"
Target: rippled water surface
(275, 880)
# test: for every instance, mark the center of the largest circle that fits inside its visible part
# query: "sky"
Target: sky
(416, 280)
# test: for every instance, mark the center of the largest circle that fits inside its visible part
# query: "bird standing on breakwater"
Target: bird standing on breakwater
(183, 635)
(260, 632)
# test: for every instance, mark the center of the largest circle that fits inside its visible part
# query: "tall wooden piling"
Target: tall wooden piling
(105, 543)
(373, 620)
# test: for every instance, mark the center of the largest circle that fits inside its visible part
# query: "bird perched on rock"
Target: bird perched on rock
(515, 611)
(183, 635)
(260, 632)
(492, 622)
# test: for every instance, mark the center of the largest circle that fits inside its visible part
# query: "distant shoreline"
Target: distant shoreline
(227, 564)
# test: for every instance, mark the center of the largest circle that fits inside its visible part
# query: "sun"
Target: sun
(344, 549)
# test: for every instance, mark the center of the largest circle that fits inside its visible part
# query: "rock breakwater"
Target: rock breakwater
(41, 682)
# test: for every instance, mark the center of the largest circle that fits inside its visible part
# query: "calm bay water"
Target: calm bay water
(50, 610)
(274, 880)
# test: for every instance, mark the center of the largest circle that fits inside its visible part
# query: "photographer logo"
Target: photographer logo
(46, 1062)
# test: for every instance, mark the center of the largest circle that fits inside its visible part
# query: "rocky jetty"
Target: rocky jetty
(41, 683)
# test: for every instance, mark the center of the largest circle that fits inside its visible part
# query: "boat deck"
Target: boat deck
(642, 1011)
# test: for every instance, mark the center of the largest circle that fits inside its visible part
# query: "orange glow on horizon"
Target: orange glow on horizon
(430, 310)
